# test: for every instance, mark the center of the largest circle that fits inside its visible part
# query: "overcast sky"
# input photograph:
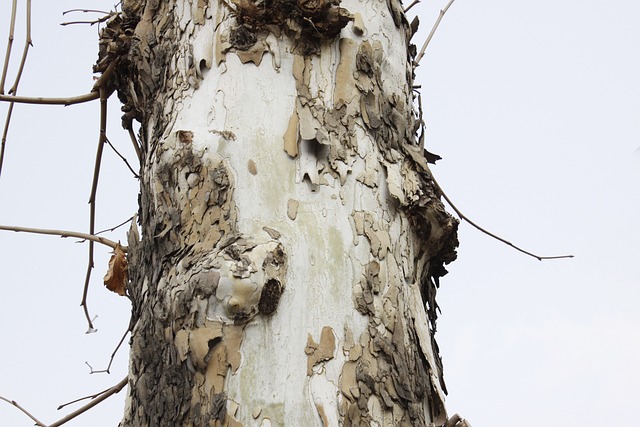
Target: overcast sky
(535, 109)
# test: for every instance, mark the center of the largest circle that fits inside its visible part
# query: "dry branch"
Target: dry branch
(27, 43)
(433, 30)
(24, 411)
(115, 226)
(413, 3)
(62, 233)
(134, 141)
(104, 18)
(113, 355)
(96, 399)
(126, 162)
(91, 96)
(7, 55)
(92, 198)
(14, 88)
(85, 11)
(99, 398)
(506, 242)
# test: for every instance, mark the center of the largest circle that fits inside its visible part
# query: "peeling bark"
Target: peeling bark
(283, 191)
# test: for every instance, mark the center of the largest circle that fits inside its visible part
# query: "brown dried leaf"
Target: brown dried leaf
(117, 276)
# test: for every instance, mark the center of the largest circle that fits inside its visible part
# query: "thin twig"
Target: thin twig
(106, 230)
(123, 158)
(63, 234)
(134, 140)
(27, 43)
(107, 393)
(92, 200)
(91, 396)
(95, 21)
(433, 30)
(113, 355)
(24, 411)
(506, 242)
(84, 11)
(5, 132)
(413, 3)
(91, 96)
(14, 88)
(7, 55)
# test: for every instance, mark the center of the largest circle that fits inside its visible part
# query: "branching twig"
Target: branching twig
(27, 43)
(96, 400)
(106, 16)
(433, 30)
(122, 157)
(7, 55)
(506, 242)
(113, 355)
(63, 234)
(92, 199)
(91, 396)
(14, 88)
(24, 411)
(91, 96)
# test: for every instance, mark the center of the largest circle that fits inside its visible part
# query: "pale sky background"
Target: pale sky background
(535, 109)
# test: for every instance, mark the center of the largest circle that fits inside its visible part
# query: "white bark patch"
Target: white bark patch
(246, 248)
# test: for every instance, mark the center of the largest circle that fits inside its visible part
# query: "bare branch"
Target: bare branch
(27, 43)
(91, 96)
(413, 3)
(63, 234)
(113, 355)
(433, 30)
(91, 396)
(5, 132)
(102, 396)
(7, 55)
(92, 198)
(134, 140)
(24, 411)
(115, 227)
(85, 11)
(96, 399)
(14, 88)
(506, 242)
(95, 21)
(122, 157)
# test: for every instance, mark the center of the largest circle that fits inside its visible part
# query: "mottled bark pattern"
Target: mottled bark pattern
(269, 218)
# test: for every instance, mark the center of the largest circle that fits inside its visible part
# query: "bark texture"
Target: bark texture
(291, 237)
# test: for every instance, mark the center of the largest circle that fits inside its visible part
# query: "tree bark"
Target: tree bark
(291, 238)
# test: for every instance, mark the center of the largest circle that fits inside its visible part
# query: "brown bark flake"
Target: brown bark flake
(117, 276)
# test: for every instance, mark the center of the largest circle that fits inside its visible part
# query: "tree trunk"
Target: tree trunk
(291, 236)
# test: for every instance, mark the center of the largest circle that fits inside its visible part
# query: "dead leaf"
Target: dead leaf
(117, 276)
